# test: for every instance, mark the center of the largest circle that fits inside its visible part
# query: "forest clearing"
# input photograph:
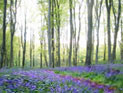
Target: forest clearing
(61, 46)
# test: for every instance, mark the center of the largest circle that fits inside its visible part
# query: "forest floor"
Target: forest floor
(80, 79)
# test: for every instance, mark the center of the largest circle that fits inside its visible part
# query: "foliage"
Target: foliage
(63, 80)
(111, 77)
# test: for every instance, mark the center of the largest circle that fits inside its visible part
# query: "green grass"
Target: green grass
(115, 81)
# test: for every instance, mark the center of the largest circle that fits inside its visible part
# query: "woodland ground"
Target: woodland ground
(80, 79)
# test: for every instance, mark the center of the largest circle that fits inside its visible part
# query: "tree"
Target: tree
(12, 26)
(71, 31)
(19, 54)
(3, 50)
(104, 58)
(52, 26)
(90, 26)
(78, 37)
(24, 45)
(31, 49)
(49, 33)
(108, 7)
(117, 15)
(121, 43)
(98, 15)
(41, 45)
(58, 22)
(74, 34)
(45, 56)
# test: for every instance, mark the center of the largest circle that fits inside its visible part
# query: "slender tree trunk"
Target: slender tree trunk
(19, 56)
(41, 44)
(104, 58)
(121, 44)
(59, 57)
(12, 28)
(24, 46)
(117, 21)
(93, 42)
(78, 37)
(33, 49)
(74, 35)
(3, 50)
(49, 33)
(64, 53)
(98, 15)
(108, 7)
(11, 51)
(45, 56)
(19, 53)
(71, 31)
(16, 61)
(90, 26)
(53, 47)
(30, 49)
(58, 21)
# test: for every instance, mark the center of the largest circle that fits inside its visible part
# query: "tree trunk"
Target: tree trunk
(19, 56)
(33, 49)
(58, 21)
(104, 58)
(41, 44)
(108, 7)
(49, 33)
(78, 37)
(121, 43)
(98, 15)
(71, 31)
(90, 26)
(21, 29)
(24, 46)
(117, 20)
(3, 50)
(11, 51)
(45, 56)
(12, 28)
(53, 47)
(30, 50)
(74, 36)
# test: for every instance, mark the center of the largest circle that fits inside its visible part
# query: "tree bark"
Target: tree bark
(45, 56)
(19, 56)
(41, 44)
(12, 27)
(108, 7)
(90, 26)
(117, 21)
(49, 33)
(30, 49)
(71, 31)
(74, 36)
(98, 15)
(24, 45)
(121, 43)
(3, 50)
(78, 37)
(53, 47)
(58, 21)
(33, 50)
(104, 58)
